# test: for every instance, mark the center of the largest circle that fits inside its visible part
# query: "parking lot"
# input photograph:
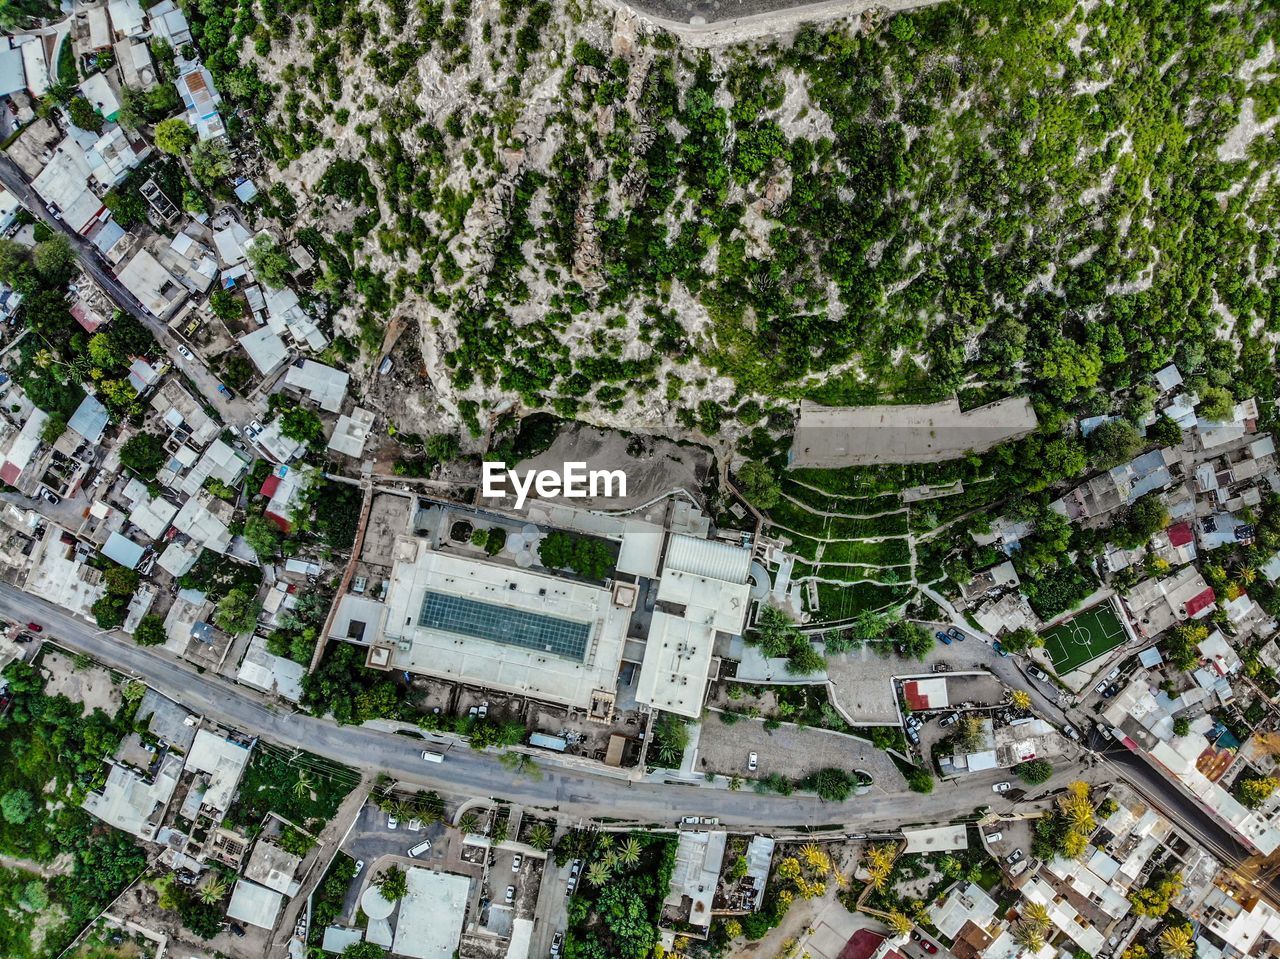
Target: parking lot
(862, 680)
(792, 751)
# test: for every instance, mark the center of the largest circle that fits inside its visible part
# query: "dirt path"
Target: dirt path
(701, 25)
(43, 870)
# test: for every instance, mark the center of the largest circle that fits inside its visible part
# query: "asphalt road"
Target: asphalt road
(570, 791)
(1186, 813)
(232, 410)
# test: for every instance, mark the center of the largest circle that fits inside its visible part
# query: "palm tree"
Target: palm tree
(610, 860)
(899, 923)
(303, 784)
(1028, 935)
(604, 842)
(468, 823)
(214, 888)
(1021, 699)
(540, 837)
(1176, 943)
(629, 855)
(597, 874)
(1247, 575)
(1036, 914)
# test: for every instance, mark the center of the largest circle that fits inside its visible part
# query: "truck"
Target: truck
(432, 757)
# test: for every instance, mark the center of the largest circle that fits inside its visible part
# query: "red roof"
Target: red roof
(270, 485)
(916, 698)
(280, 521)
(862, 945)
(1200, 602)
(1180, 534)
(10, 473)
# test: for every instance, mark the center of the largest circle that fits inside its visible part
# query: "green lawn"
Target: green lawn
(1083, 638)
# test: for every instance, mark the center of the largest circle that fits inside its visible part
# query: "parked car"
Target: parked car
(516, 862)
(555, 944)
(420, 848)
(393, 822)
(1111, 691)
(949, 720)
(237, 930)
(222, 388)
(915, 935)
(1071, 731)
(35, 627)
(511, 894)
(50, 497)
(1101, 687)
(185, 353)
(752, 762)
(999, 648)
(483, 710)
(943, 638)
(1035, 672)
(359, 868)
(253, 429)
(928, 946)
(995, 836)
(1014, 856)
(942, 667)
(913, 736)
(384, 367)
(1003, 787)
(1114, 674)
(956, 634)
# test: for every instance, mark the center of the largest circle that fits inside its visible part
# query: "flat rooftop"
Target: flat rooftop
(502, 627)
(830, 437)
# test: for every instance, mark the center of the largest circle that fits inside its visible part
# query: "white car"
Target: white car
(511, 894)
(185, 353)
(254, 428)
(359, 868)
(752, 762)
(1003, 787)
(517, 862)
(393, 822)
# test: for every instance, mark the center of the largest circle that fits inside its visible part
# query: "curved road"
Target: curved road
(570, 791)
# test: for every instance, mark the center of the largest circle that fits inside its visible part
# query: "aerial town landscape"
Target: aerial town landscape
(579, 479)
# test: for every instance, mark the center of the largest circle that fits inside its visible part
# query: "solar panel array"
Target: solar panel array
(499, 624)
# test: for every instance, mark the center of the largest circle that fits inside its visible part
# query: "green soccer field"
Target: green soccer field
(1083, 638)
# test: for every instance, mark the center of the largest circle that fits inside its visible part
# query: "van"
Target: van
(430, 757)
(420, 848)
(995, 836)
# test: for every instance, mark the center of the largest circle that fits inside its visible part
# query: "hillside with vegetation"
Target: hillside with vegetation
(570, 209)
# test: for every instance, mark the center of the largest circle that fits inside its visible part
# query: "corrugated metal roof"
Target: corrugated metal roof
(707, 558)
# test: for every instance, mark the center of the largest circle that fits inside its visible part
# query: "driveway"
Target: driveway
(371, 840)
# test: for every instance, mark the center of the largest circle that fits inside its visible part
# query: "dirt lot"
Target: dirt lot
(92, 686)
(793, 751)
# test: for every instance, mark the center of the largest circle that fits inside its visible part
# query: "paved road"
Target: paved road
(1179, 807)
(570, 791)
(234, 410)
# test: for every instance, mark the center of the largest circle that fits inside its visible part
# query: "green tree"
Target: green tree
(302, 425)
(17, 806)
(1181, 726)
(271, 264)
(174, 136)
(1216, 403)
(83, 115)
(759, 484)
(211, 160)
(363, 950)
(1034, 771)
(54, 260)
(919, 780)
(1114, 442)
(144, 454)
(226, 305)
(237, 612)
(263, 536)
(1255, 790)
(150, 631)
(804, 659)
(393, 884)
(1020, 640)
